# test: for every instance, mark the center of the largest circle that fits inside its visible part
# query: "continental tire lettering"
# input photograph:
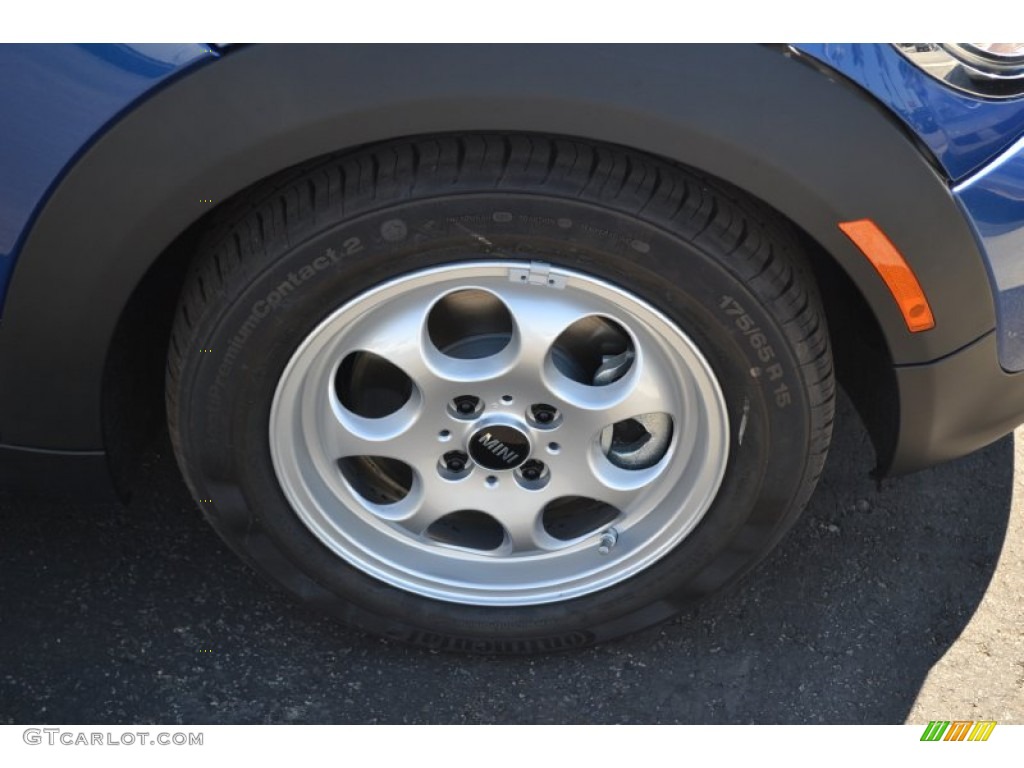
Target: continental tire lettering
(260, 309)
(477, 645)
(604, 234)
(539, 221)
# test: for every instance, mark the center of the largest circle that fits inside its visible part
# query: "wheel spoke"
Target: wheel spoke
(607, 490)
(517, 510)
(642, 391)
(345, 434)
(648, 390)
(397, 336)
(428, 505)
(522, 524)
(606, 483)
(539, 319)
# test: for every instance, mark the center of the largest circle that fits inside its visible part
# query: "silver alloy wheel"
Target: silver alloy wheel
(499, 433)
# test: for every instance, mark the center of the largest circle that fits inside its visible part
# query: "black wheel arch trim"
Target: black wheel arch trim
(808, 144)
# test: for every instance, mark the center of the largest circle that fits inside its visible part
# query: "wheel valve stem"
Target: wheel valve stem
(608, 540)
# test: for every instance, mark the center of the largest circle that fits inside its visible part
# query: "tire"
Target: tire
(362, 345)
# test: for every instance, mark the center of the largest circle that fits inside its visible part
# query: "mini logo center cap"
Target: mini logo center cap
(499, 447)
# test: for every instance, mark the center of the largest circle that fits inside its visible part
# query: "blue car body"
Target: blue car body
(980, 146)
(58, 99)
(70, 109)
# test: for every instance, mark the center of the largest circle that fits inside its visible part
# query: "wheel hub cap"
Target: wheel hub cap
(499, 447)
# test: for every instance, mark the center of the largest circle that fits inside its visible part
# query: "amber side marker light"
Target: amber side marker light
(893, 269)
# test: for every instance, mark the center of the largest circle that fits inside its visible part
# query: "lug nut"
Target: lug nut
(532, 470)
(455, 461)
(543, 413)
(466, 405)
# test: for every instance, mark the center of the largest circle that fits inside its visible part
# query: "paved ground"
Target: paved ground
(881, 606)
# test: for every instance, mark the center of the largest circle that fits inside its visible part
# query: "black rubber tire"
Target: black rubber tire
(718, 264)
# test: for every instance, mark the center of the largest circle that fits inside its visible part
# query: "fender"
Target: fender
(765, 119)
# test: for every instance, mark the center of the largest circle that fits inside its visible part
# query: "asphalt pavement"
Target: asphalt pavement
(887, 603)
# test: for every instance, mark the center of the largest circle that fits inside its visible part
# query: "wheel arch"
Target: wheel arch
(807, 144)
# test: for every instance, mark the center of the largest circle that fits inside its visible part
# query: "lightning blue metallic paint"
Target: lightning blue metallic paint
(994, 200)
(57, 99)
(979, 144)
(963, 132)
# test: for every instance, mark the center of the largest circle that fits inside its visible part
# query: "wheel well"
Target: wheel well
(133, 378)
(132, 402)
(863, 364)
